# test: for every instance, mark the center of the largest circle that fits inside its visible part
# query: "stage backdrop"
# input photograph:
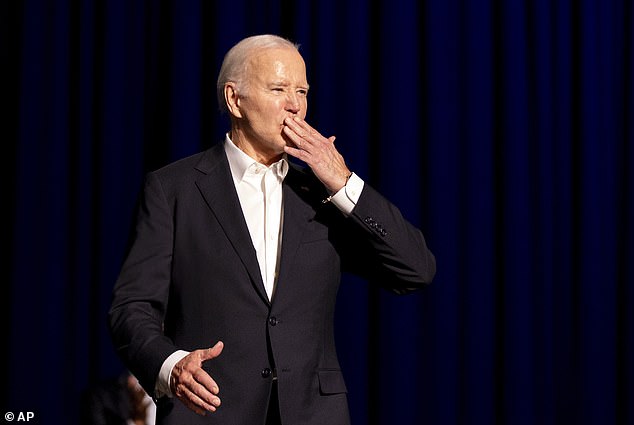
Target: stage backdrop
(503, 128)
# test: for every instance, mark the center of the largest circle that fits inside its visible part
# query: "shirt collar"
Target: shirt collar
(240, 162)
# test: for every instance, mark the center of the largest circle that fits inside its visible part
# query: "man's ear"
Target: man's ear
(232, 99)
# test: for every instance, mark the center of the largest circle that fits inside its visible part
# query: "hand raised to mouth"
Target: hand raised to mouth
(318, 152)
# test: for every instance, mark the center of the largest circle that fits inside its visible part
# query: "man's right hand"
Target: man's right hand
(192, 385)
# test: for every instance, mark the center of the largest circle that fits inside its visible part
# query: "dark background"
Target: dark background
(504, 129)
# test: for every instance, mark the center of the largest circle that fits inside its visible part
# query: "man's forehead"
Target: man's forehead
(278, 63)
(273, 54)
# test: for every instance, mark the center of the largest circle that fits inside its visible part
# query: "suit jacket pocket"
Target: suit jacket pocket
(331, 381)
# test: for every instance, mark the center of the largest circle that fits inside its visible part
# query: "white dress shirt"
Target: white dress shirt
(260, 193)
(150, 411)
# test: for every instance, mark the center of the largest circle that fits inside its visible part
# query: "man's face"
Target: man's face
(276, 88)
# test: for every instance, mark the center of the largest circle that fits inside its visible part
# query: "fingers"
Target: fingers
(193, 385)
(207, 382)
(303, 135)
(197, 392)
(300, 126)
(319, 153)
(194, 401)
(212, 352)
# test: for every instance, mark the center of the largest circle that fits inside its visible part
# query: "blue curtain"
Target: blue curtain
(503, 128)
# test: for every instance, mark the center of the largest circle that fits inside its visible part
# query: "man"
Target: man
(117, 401)
(224, 305)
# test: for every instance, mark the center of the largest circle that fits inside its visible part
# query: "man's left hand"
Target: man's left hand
(318, 152)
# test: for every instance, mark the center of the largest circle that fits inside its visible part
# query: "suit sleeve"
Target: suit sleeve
(141, 290)
(384, 247)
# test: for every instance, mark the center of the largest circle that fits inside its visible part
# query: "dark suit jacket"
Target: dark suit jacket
(191, 278)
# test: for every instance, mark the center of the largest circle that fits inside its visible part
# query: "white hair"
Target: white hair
(234, 64)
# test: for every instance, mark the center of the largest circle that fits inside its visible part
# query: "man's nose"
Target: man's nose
(292, 103)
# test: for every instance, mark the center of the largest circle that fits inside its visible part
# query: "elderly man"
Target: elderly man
(224, 305)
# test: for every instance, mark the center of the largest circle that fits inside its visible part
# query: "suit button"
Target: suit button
(266, 372)
(273, 321)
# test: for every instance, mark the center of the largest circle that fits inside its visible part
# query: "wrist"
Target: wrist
(334, 192)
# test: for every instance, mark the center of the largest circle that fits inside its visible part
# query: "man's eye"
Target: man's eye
(302, 92)
(278, 89)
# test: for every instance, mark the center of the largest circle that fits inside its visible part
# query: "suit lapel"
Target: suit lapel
(218, 190)
(298, 197)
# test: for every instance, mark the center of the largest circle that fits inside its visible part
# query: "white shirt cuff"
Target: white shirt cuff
(348, 196)
(162, 388)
